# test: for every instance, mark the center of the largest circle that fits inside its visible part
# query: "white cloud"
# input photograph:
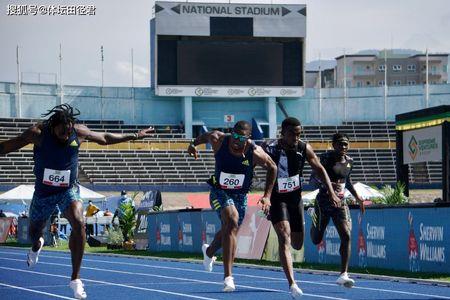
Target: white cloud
(94, 75)
(331, 26)
(422, 41)
(141, 74)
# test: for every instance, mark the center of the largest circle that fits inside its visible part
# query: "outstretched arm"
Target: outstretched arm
(262, 159)
(318, 169)
(29, 136)
(107, 138)
(213, 137)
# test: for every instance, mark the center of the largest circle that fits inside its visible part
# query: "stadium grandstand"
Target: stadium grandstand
(163, 161)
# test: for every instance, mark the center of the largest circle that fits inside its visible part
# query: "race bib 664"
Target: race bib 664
(60, 178)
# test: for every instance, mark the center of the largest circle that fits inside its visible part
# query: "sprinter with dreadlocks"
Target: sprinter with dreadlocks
(56, 144)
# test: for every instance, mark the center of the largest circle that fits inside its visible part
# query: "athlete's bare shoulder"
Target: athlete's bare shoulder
(216, 139)
(33, 134)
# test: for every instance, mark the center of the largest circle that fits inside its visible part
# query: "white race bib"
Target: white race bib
(231, 181)
(288, 184)
(56, 177)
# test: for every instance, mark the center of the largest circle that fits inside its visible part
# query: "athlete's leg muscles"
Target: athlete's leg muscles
(343, 226)
(74, 213)
(36, 229)
(229, 230)
(283, 231)
(215, 245)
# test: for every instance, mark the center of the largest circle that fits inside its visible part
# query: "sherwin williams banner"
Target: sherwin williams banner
(210, 225)
(162, 231)
(186, 231)
(405, 238)
(412, 239)
(183, 231)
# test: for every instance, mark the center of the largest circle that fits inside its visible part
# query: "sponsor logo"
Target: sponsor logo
(362, 246)
(413, 247)
(199, 91)
(172, 91)
(234, 92)
(422, 147)
(413, 148)
(287, 92)
(252, 91)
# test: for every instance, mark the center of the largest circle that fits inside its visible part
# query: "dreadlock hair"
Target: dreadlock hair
(61, 114)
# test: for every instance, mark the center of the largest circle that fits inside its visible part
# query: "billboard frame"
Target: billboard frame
(424, 118)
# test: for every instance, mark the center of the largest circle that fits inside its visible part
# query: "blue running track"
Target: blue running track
(111, 277)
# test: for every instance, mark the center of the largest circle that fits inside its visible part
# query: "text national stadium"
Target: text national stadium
(225, 150)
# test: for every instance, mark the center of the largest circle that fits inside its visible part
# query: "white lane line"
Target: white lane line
(247, 275)
(128, 283)
(33, 291)
(111, 284)
(250, 276)
(406, 293)
(149, 266)
(177, 278)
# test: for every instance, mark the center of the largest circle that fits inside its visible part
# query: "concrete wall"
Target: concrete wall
(141, 106)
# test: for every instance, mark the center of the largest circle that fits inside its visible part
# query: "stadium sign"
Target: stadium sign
(422, 145)
(228, 50)
(189, 19)
(205, 9)
(229, 92)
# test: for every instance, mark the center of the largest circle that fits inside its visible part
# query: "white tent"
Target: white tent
(365, 191)
(23, 194)
(87, 194)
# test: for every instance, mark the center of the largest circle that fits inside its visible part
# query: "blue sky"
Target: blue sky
(118, 25)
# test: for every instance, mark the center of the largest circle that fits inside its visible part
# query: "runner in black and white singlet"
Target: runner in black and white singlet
(339, 167)
(55, 153)
(236, 156)
(286, 210)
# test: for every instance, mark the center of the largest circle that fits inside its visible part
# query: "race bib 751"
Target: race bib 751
(288, 184)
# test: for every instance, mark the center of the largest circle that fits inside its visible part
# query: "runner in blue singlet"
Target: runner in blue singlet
(56, 144)
(235, 156)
